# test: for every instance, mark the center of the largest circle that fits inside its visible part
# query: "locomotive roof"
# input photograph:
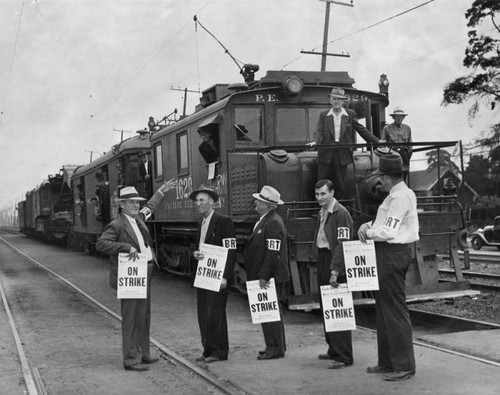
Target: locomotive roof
(130, 145)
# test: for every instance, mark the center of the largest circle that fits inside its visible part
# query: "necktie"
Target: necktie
(148, 241)
(203, 232)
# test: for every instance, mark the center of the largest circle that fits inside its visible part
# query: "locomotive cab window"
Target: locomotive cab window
(296, 124)
(158, 162)
(209, 145)
(182, 154)
(248, 124)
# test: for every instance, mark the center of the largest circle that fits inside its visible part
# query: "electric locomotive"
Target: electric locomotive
(95, 188)
(257, 135)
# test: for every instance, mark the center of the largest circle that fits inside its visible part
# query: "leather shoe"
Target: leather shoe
(262, 352)
(137, 368)
(324, 356)
(378, 369)
(399, 375)
(211, 359)
(150, 360)
(200, 359)
(337, 365)
(265, 356)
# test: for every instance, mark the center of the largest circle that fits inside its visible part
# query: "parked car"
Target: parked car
(487, 236)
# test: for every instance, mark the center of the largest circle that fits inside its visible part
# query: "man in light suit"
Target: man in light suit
(129, 234)
(215, 229)
(265, 257)
(337, 126)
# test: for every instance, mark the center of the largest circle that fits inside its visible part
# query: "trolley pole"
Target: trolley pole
(121, 131)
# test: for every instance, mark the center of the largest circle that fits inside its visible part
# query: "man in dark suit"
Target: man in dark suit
(215, 229)
(334, 226)
(337, 126)
(129, 234)
(145, 171)
(265, 257)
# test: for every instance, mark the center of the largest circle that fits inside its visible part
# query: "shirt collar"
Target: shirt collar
(343, 112)
(331, 206)
(207, 219)
(130, 219)
(398, 187)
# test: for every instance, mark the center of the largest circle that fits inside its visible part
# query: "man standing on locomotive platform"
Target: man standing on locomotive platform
(394, 230)
(398, 132)
(334, 226)
(129, 234)
(265, 257)
(215, 229)
(337, 126)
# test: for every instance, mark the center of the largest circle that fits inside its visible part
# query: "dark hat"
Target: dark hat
(269, 195)
(204, 189)
(337, 92)
(129, 193)
(390, 164)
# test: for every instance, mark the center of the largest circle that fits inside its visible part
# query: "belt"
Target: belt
(323, 250)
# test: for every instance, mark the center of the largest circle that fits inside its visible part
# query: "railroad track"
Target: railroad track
(34, 384)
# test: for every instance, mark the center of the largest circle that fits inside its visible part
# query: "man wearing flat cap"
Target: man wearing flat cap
(337, 126)
(394, 230)
(398, 132)
(129, 234)
(265, 257)
(215, 229)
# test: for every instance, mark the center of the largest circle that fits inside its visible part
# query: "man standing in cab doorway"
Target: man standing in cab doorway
(334, 226)
(337, 126)
(265, 257)
(394, 230)
(398, 132)
(215, 229)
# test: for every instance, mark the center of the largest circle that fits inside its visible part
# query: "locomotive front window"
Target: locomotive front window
(248, 124)
(291, 124)
(182, 153)
(313, 120)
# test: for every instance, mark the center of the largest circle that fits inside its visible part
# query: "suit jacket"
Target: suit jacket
(119, 236)
(208, 152)
(143, 171)
(221, 232)
(265, 252)
(325, 135)
(338, 228)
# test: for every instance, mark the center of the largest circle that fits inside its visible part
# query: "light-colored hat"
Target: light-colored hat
(204, 189)
(398, 111)
(129, 193)
(269, 195)
(337, 92)
(390, 164)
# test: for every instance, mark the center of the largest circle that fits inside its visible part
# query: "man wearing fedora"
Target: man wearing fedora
(129, 234)
(215, 229)
(394, 230)
(398, 132)
(265, 257)
(337, 126)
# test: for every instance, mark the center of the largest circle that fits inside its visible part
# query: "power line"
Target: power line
(365, 28)
(12, 58)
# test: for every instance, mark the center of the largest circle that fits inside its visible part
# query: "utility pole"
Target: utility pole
(121, 131)
(91, 152)
(186, 90)
(324, 53)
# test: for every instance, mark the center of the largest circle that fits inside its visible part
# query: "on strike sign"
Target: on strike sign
(360, 265)
(263, 302)
(132, 277)
(210, 270)
(338, 308)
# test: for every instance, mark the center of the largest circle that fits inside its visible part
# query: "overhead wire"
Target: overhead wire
(4, 100)
(141, 68)
(363, 29)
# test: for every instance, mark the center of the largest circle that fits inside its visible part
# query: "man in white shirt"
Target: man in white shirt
(394, 230)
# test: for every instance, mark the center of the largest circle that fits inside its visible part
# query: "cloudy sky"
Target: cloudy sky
(72, 72)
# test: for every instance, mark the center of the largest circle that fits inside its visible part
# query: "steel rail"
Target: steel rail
(165, 352)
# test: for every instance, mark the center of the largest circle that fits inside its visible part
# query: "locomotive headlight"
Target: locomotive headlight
(293, 85)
